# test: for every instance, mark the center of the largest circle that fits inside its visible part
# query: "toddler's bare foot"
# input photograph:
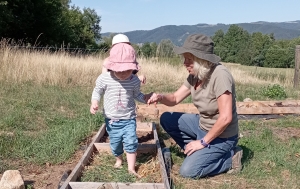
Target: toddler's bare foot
(132, 172)
(119, 162)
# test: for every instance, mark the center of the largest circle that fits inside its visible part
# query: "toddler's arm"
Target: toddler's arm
(96, 95)
(94, 106)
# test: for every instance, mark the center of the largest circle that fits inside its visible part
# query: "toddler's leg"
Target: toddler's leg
(131, 159)
(119, 161)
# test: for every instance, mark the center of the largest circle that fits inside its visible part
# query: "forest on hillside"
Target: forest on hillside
(58, 24)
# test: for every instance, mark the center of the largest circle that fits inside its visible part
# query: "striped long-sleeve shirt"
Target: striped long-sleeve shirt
(119, 95)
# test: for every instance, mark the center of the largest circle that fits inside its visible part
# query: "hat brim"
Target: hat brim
(120, 67)
(209, 57)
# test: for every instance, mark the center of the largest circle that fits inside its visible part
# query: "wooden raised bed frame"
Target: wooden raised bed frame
(95, 145)
(243, 108)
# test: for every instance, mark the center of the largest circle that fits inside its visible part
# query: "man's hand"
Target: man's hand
(193, 147)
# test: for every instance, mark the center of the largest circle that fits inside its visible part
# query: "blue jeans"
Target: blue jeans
(122, 133)
(184, 128)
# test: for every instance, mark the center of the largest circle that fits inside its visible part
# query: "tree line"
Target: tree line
(52, 23)
(238, 46)
(57, 23)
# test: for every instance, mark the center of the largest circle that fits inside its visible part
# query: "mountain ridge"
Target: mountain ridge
(178, 33)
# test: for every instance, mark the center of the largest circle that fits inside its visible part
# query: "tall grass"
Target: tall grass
(163, 75)
(61, 69)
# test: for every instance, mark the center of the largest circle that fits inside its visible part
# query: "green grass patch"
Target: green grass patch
(47, 123)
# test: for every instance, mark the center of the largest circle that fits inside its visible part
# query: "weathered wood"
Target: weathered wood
(269, 110)
(142, 148)
(161, 160)
(144, 126)
(297, 66)
(115, 185)
(95, 145)
(278, 103)
(243, 108)
(84, 159)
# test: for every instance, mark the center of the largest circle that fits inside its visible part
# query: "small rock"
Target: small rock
(247, 100)
(12, 179)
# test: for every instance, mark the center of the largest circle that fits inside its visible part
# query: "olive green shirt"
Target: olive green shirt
(205, 99)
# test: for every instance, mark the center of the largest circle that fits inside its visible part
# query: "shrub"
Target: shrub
(274, 91)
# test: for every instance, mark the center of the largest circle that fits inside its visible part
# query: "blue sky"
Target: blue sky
(129, 15)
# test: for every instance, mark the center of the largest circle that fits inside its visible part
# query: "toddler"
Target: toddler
(120, 89)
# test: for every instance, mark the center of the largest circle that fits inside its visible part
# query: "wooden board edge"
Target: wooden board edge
(115, 185)
(142, 148)
(84, 159)
(161, 159)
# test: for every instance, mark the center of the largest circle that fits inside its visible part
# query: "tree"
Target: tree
(146, 50)
(218, 39)
(49, 23)
(260, 45)
(236, 42)
(165, 48)
(153, 49)
(279, 56)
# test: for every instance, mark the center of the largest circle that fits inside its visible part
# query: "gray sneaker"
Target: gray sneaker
(236, 161)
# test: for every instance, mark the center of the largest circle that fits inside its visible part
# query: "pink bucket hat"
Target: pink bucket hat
(121, 58)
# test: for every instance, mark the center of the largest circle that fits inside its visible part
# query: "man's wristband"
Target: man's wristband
(206, 145)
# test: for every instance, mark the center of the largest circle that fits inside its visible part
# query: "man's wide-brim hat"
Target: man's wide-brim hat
(121, 58)
(200, 46)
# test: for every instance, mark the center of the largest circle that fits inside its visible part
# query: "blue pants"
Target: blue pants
(184, 128)
(122, 133)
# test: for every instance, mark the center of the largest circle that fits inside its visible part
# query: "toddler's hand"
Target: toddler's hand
(142, 79)
(94, 107)
(154, 99)
(147, 97)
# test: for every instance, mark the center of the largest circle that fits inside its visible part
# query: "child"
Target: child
(120, 88)
(121, 38)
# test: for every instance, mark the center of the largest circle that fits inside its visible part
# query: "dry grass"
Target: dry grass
(61, 69)
(259, 75)
(101, 169)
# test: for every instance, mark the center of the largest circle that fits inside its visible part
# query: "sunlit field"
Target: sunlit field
(44, 115)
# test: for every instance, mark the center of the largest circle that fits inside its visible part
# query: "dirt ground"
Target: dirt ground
(48, 176)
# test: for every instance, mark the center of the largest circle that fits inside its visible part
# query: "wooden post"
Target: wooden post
(297, 65)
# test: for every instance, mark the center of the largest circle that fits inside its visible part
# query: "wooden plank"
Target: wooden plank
(278, 103)
(142, 148)
(243, 108)
(269, 110)
(84, 159)
(297, 67)
(115, 185)
(161, 160)
(144, 126)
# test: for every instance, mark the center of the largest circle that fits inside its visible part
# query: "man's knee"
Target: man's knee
(190, 171)
(164, 118)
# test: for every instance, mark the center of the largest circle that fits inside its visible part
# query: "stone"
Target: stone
(12, 179)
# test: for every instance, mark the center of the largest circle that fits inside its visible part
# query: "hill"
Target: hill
(177, 34)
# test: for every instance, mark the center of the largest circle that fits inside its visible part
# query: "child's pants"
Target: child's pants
(122, 133)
